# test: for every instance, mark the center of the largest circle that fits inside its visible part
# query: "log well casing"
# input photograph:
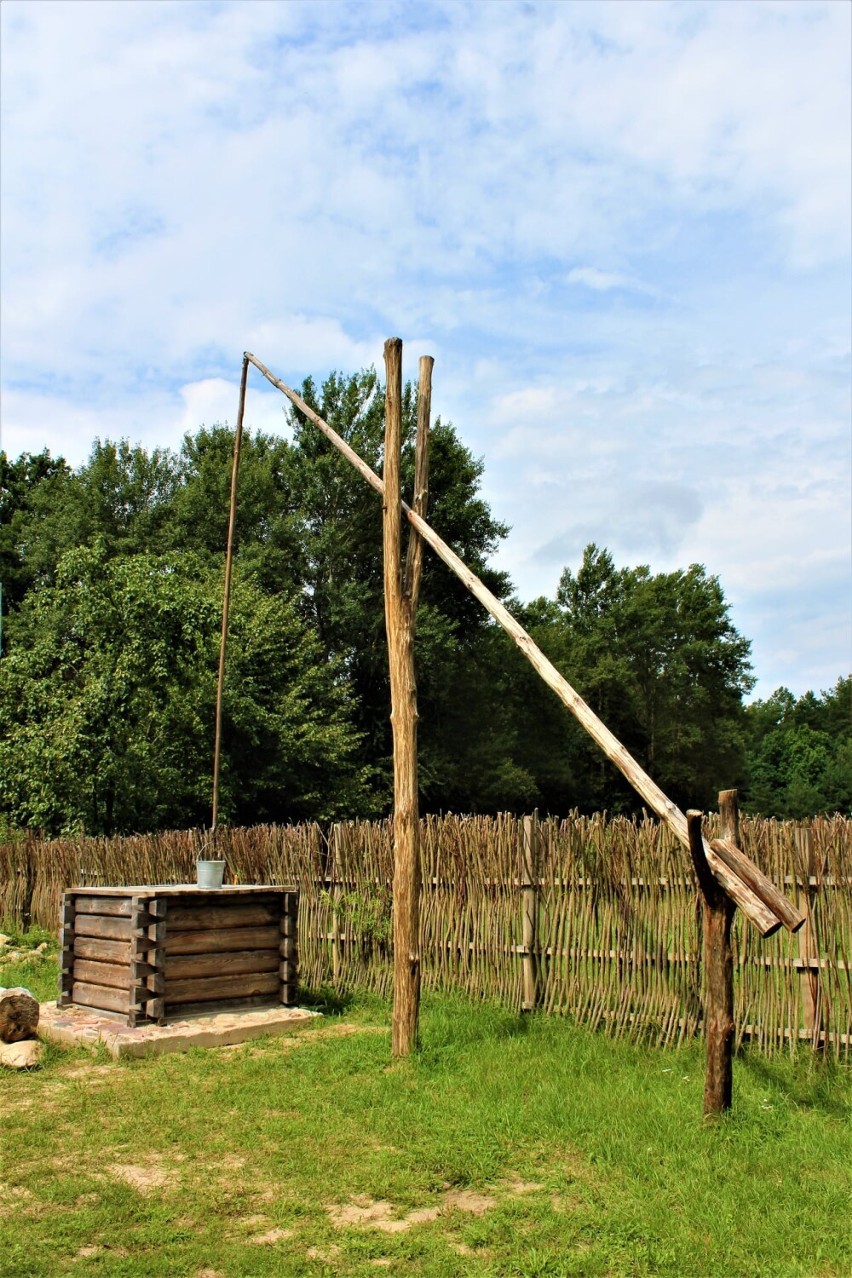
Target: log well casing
(143, 952)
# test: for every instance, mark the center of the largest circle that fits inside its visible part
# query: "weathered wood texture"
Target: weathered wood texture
(226, 599)
(530, 911)
(718, 963)
(400, 592)
(619, 944)
(130, 961)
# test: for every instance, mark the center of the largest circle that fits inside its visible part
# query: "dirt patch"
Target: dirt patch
(143, 1177)
(517, 1188)
(328, 1255)
(271, 1236)
(363, 1212)
(469, 1200)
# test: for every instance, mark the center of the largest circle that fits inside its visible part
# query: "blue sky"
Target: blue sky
(623, 231)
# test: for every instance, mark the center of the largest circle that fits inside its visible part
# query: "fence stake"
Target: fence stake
(336, 890)
(531, 845)
(718, 961)
(808, 949)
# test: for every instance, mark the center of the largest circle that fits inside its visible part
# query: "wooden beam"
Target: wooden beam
(399, 620)
(226, 599)
(764, 919)
(727, 850)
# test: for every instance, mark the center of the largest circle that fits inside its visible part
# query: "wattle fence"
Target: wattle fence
(591, 917)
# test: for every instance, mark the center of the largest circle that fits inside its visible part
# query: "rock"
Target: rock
(25, 1055)
(18, 1015)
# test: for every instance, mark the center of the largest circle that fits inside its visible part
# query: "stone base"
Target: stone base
(82, 1027)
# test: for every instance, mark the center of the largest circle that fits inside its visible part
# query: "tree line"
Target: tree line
(112, 585)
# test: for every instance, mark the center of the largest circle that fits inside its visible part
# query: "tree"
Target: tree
(29, 485)
(658, 659)
(107, 696)
(800, 753)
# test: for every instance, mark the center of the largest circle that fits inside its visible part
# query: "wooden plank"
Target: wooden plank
(115, 906)
(221, 987)
(190, 891)
(92, 947)
(91, 973)
(178, 1011)
(111, 929)
(233, 963)
(220, 940)
(191, 918)
(100, 996)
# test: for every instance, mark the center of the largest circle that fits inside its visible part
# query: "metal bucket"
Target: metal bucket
(210, 873)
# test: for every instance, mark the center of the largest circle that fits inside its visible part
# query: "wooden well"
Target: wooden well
(156, 953)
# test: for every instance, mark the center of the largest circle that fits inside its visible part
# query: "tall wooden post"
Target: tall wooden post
(529, 919)
(718, 960)
(401, 591)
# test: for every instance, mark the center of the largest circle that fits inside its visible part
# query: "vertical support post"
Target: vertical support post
(137, 990)
(288, 967)
(336, 890)
(530, 847)
(155, 960)
(400, 613)
(808, 946)
(66, 950)
(718, 960)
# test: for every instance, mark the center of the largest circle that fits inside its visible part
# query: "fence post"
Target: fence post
(718, 960)
(336, 890)
(808, 947)
(531, 846)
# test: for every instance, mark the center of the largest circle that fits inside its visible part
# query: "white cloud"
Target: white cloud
(622, 229)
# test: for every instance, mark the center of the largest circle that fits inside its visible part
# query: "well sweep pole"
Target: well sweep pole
(756, 910)
(226, 600)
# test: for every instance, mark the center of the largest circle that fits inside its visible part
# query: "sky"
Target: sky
(623, 230)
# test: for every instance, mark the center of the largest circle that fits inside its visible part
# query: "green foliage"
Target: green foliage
(107, 697)
(657, 658)
(800, 756)
(112, 587)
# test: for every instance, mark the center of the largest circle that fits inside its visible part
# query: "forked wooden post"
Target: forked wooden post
(718, 960)
(401, 592)
(530, 845)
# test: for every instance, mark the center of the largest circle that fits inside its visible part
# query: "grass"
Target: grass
(528, 1148)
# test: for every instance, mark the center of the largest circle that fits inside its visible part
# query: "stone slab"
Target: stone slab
(85, 1027)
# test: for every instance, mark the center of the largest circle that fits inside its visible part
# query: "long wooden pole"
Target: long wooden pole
(226, 600)
(400, 616)
(763, 918)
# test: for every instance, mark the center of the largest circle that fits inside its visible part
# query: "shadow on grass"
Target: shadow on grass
(325, 999)
(820, 1084)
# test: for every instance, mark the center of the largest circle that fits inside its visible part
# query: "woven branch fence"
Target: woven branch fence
(591, 917)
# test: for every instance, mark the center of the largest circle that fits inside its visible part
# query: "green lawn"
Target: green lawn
(509, 1146)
